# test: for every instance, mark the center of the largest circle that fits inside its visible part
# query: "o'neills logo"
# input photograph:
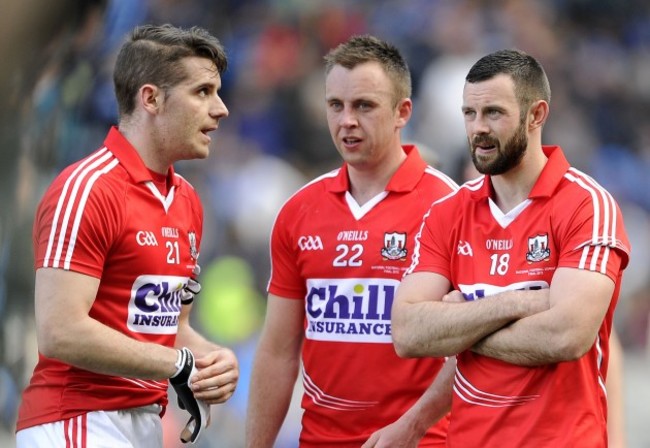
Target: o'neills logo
(350, 310)
(155, 304)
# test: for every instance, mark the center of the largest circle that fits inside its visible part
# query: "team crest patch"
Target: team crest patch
(538, 248)
(394, 246)
(194, 252)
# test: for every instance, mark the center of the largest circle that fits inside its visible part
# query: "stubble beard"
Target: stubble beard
(506, 159)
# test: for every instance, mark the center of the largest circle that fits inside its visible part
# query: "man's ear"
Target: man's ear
(538, 113)
(404, 111)
(150, 98)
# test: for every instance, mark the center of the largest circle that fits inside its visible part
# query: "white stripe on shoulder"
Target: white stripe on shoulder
(61, 201)
(80, 209)
(601, 198)
(472, 185)
(603, 235)
(320, 178)
(475, 184)
(328, 175)
(184, 180)
(442, 176)
(64, 210)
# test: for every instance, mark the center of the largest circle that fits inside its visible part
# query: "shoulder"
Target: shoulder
(463, 195)
(186, 188)
(440, 179)
(578, 188)
(97, 175)
(312, 192)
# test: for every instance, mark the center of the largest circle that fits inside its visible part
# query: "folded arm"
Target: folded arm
(578, 299)
(425, 325)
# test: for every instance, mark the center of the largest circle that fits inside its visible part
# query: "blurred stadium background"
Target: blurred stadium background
(56, 104)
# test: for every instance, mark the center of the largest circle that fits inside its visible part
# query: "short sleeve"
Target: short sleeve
(75, 224)
(431, 253)
(285, 280)
(593, 236)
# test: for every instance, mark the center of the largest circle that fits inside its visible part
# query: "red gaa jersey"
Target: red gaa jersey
(569, 221)
(345, 262)
(104, 217)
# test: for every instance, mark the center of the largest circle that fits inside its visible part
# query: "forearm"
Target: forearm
(439, 328)
(436, 401)
(91, 345)
(532, 341)
(272, 383)
(190, 338)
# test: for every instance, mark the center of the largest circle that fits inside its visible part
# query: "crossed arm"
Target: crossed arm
(520, 327)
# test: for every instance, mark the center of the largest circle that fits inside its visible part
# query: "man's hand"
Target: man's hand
(398, 434)
(217, 377)
(454, 296)
(199, 410)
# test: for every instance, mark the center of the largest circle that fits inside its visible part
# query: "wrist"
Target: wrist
(179, 364)
(416, 422)
(184, 366)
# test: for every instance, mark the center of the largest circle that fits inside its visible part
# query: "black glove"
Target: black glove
(192, 288)
(199, 410)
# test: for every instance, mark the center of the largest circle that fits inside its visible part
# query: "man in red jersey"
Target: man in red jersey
(533, 254)
(117, 238)
(339, 247)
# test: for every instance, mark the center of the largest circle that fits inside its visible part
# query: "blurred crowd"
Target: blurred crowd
(57, 104)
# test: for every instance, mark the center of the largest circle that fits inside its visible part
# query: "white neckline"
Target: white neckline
(505, 219)
(359, 211)
(166, 201)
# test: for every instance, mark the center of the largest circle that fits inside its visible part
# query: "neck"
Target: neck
(514, 187)
(145, 146)
(366, 182)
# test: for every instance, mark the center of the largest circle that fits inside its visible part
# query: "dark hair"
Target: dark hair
(360, 49)
(153, 54)
(527, 73)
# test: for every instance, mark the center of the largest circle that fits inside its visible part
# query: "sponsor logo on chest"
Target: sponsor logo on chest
(155, 304)
(350, 310)
(483, 290)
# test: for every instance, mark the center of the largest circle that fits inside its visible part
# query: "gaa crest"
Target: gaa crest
(394, 246)
(194, 252)
(538, 248)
